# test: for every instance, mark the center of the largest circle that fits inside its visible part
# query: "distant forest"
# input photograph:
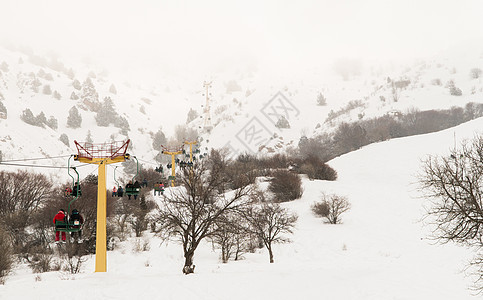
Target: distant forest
(352, 136)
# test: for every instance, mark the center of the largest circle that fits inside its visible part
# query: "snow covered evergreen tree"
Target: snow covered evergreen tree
(107, 114)
(282, 123)
(74, 120)
(64, 139)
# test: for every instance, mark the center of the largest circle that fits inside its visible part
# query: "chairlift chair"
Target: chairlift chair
(71, 225)
(132, 190)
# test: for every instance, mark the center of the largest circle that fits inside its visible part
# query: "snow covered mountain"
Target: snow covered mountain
(245, 108)
(381, 250)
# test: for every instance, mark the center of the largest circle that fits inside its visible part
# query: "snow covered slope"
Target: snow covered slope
(381, 251)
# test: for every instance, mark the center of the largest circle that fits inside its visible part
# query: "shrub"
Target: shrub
(286, 186)
(475, 73)
(317, 169)
(331, 207)
(6, 258)
(41, 260)
(454, 91)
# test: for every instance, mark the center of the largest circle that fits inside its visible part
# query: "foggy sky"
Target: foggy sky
(195, 34)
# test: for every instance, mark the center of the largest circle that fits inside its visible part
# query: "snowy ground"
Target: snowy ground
(381, 251)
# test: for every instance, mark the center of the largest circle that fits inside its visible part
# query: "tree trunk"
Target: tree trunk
(271, 254)
(188, 263)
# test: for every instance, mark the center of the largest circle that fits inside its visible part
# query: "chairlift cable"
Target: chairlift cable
(39, 158)
(33, 166)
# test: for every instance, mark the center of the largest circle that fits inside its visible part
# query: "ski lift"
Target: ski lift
(159, 169)
(70, 225)
(132, 189)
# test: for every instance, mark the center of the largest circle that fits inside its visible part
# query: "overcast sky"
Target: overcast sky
(197, 33)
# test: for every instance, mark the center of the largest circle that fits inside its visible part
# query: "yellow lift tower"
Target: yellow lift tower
(173, 154)
(191, 149)
(101, 155)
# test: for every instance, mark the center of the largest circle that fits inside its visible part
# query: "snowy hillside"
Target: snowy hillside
(243, 101)
(381, 251)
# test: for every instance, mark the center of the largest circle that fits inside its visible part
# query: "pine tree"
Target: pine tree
(41, 73)
(89, 137)
(106, 114)
(321, 100)
(76, 84)
(56, 95)
(35, 85)
(123, 124)
(64, 139)
(88, 92)
(74, 120)
(40, 119)
(28, 117)
(73, 96)
(282, 123)
(112, 89)
(47, 90)
(3, 109)
(52, 123)
(4, 67)
(159, 139)
(192, 114)
(70, 73)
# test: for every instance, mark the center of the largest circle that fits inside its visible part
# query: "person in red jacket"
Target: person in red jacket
(60, 216)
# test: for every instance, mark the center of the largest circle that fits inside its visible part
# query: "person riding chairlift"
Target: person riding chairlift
(77, 220)
(60, 216)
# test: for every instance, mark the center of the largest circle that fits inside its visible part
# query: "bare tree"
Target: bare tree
(269, 221)
(454, 184)
(139, 220)
(331, 207)
(22, 194)
(73, 257)
(231, 236)
(189, 212)
(6, 255)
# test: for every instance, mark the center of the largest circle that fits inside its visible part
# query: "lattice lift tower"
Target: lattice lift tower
(207, 126)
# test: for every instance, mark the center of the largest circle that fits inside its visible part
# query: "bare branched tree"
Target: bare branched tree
(331, 207)
(454, 184)
(269, 221)
(231, 236)
(22, 194)
(6, 255)
(189, 212)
